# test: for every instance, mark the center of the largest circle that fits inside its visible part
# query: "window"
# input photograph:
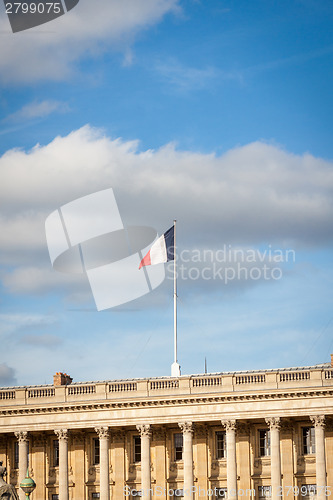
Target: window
(96, 454)
(221, 493)
(264, 443)
(55, 453)
(309, 444)
(178, 445)
(308, 491)
(137, 449)
(221, 445)
(264, 492)
(55, 496)
(16, 455)
(95, 495)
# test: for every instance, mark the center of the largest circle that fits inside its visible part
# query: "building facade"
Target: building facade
(263, 434)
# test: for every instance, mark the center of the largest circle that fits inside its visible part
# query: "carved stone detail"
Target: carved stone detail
(243, 429)
(39, 440)
(62, 434)
(201, 431)
(91, 471)
(118, 436)
(230, 425)
(22, 436)
(159, 433)
(215, 465)
(287, 426)
(186, 427)
(145, 430)
(78, 438)
(318, 420)
(173, 467)
(274, 423)
(13, 475)
(103, 432)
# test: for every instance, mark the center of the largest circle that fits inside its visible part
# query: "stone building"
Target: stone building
(261, 434)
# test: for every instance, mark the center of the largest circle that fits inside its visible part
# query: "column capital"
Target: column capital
(274, 423)
(22, 436)
(187, 427)
(103, 432)
(62, 434)
(230, 425)
(318, 420)
(144, 429)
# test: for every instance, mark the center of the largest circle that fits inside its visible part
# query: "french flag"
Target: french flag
(162, 250)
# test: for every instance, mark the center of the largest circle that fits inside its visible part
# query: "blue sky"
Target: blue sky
(217, 113)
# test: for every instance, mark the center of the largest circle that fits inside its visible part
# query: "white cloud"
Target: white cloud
(45, 340)
(11, 323)
(37, 280)
(7, 375)
(252, 195)
(185, 77)
(37, 110)
(50, 51)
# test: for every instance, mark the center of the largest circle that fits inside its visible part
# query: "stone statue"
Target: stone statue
(7, 491)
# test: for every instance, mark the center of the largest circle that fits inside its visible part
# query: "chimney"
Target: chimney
(61, 379)
(332, 360)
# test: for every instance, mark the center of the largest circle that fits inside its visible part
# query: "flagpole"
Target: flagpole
(175, 295)
(175, 367)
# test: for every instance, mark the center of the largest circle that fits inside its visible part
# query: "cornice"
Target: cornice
(163, 402)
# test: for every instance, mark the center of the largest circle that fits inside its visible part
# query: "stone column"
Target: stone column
(23, 441)
(62, 435)
(145, 433)
(319, 424)
(274, 426)
(103, 434)
(187, 428)
(230, 426)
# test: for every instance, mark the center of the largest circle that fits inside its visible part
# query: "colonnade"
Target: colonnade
(187, 429)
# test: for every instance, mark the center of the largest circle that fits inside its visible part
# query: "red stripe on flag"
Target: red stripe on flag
(145, 261)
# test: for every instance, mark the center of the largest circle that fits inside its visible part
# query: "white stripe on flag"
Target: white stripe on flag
(158, 252)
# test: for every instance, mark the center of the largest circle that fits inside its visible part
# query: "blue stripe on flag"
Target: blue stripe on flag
(169, 238)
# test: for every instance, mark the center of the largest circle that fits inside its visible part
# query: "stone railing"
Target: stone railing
(163, 384)
(291, 376)
(123, 387)
(251, 379)
(7, 395)
(41, 393)
(194, 384)
(78, 390)
(206, 381)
